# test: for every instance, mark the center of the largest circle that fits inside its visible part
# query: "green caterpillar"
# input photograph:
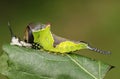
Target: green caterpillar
(40, 36)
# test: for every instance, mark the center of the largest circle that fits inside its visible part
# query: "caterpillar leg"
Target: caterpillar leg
(36, 46)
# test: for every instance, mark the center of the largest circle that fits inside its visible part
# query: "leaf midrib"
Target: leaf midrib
(81, 67)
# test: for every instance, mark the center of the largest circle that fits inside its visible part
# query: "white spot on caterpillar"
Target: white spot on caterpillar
(17, 42)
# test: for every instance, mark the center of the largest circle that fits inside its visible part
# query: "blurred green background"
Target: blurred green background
(97, 22)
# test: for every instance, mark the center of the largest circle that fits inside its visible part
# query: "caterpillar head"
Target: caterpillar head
(28, 36)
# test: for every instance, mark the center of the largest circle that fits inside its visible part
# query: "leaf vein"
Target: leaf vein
(99, 69)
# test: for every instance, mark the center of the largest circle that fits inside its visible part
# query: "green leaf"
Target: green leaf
(26, 63)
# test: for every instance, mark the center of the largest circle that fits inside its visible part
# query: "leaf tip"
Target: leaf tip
(111, 67)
